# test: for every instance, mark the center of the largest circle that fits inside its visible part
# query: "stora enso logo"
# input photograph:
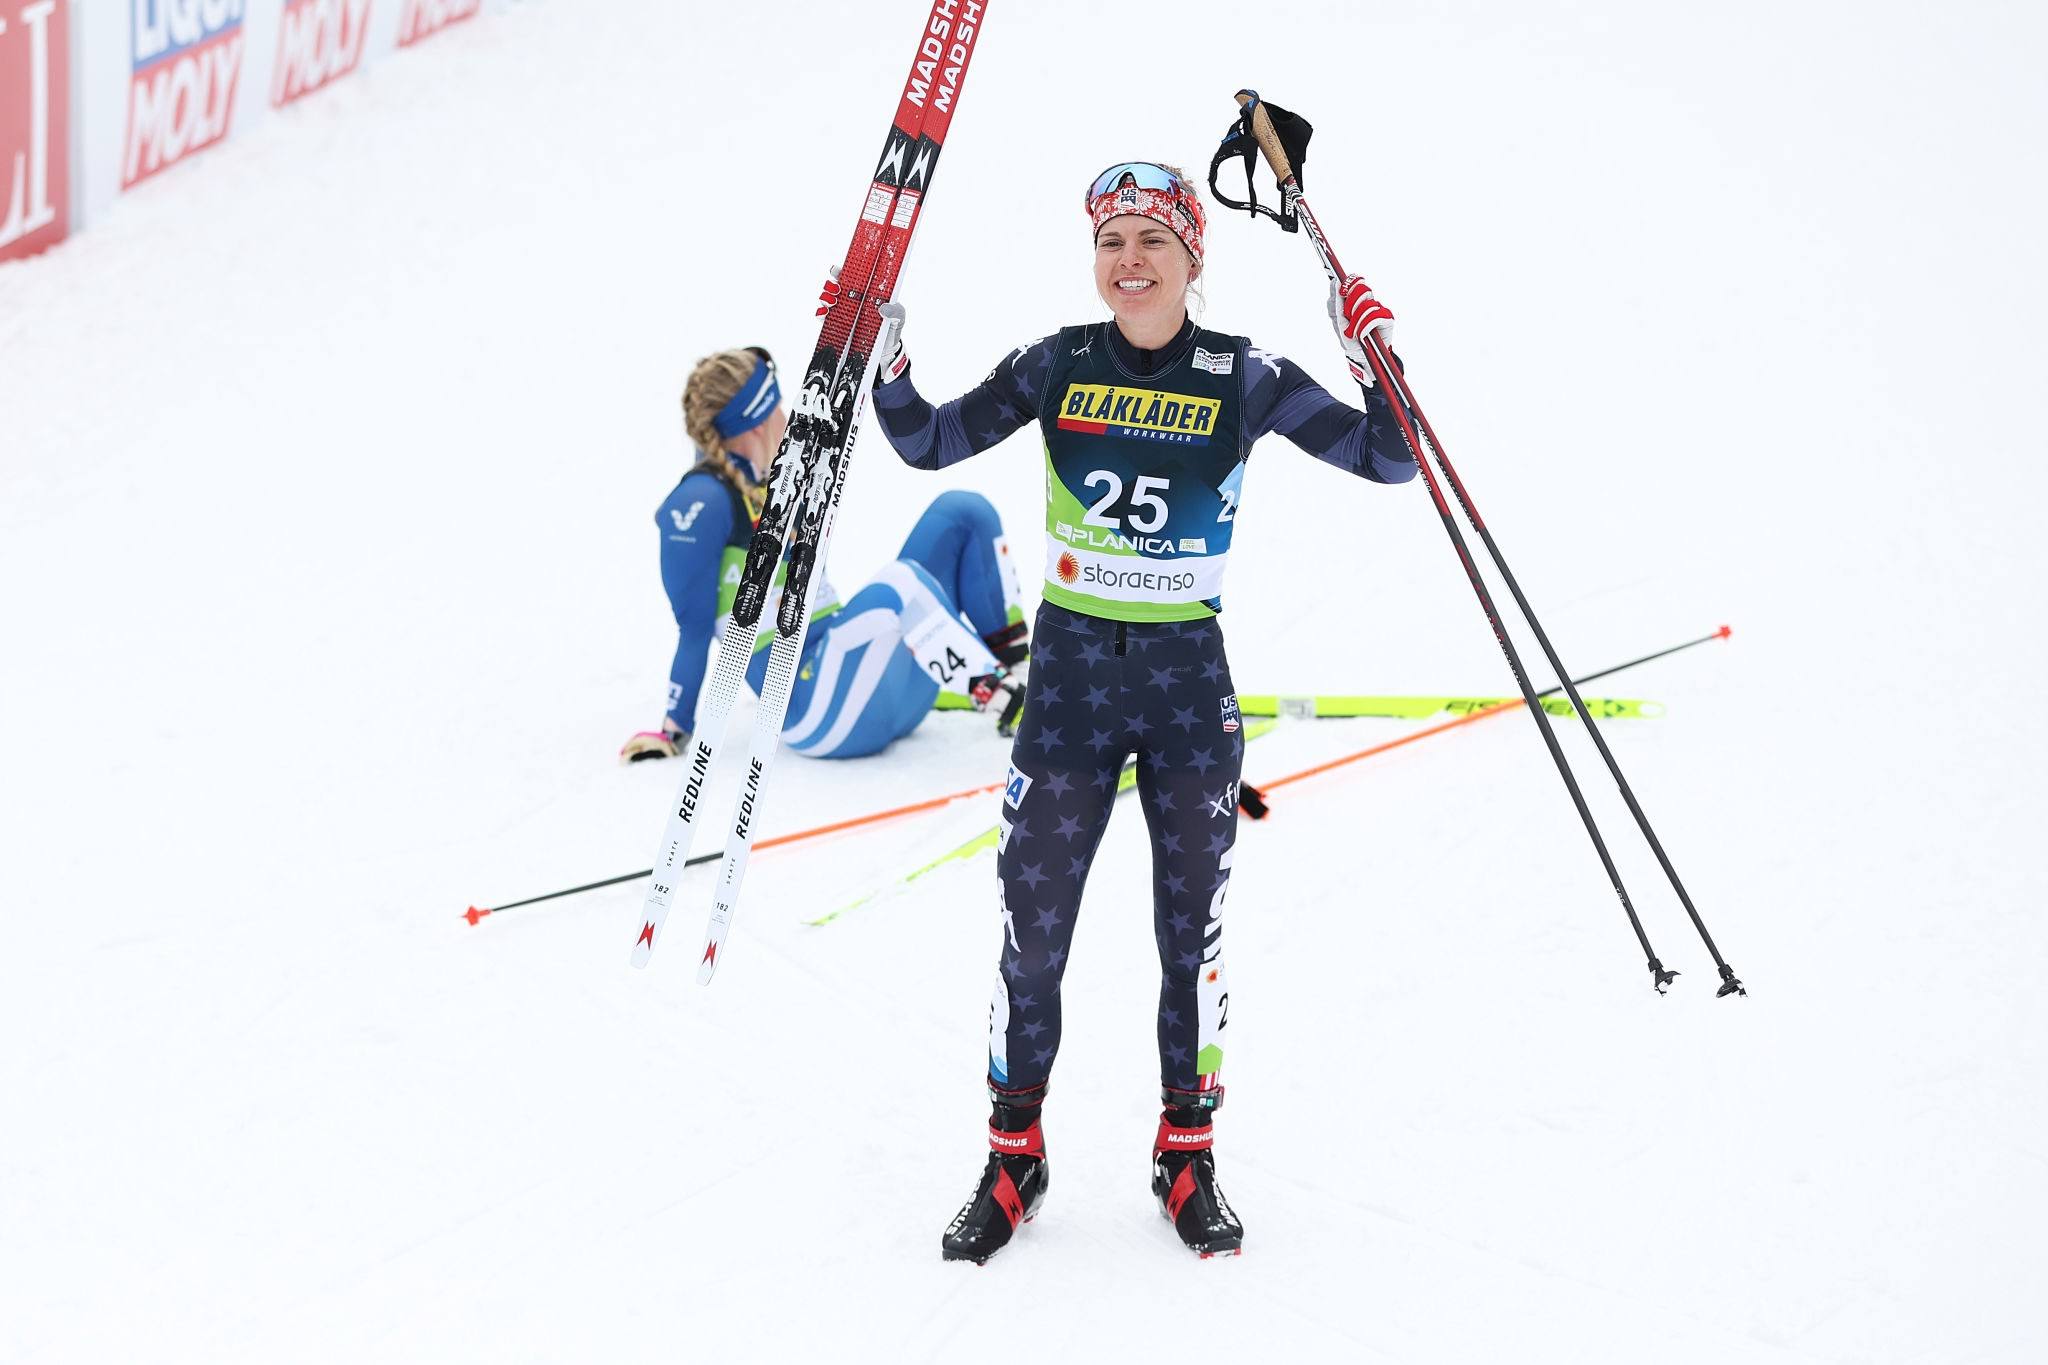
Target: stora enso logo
(187, 59)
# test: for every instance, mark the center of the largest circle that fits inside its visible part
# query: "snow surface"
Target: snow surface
(329, 591)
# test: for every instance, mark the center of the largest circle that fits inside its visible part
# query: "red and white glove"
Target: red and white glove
(1003, 693)
(1356, 313)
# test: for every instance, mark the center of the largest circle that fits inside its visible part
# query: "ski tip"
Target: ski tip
(474, 913)
(708, 965)
(1724, 632)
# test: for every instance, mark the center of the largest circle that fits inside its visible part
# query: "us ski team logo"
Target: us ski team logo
(1230, 714)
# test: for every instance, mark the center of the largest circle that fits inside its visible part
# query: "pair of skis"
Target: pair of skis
(808, 474)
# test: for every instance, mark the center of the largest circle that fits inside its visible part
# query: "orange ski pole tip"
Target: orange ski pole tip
(474, 913)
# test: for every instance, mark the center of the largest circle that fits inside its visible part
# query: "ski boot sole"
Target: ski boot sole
(948, 1254)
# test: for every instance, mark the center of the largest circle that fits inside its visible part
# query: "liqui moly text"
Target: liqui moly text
(317, 41)
(187, 59)
(424, 18)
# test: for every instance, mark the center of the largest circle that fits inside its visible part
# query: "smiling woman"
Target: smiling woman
(1146, 263)
(1148, 422)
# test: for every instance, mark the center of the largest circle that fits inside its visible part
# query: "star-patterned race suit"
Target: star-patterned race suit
(1145, 458)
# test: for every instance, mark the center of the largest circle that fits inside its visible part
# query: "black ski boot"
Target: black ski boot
(1184, 1174)
(1012, 1184)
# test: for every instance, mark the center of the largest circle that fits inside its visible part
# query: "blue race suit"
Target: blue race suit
(857, 689)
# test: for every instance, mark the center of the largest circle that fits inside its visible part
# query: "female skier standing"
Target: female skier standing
(856, 690)
(1148, 421)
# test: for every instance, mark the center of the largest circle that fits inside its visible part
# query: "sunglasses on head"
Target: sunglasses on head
(1145, 175)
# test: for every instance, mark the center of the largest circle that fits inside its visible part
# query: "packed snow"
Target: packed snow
(330, 591)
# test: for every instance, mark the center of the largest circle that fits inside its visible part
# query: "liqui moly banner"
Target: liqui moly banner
(317, 41)
(35, 125)
(419, 19)
(186, 60)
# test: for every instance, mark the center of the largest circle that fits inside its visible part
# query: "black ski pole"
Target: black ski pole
(1295, 206)
(1729, 984)
(477, 912)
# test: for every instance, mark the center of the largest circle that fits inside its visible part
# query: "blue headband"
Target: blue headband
(750, 407)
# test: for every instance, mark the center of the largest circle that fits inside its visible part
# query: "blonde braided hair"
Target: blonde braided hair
(712, 384)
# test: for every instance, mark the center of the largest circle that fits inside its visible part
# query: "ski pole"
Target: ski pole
(477, 912)
(1290, 190)
(1729, 984)
(1248, 792)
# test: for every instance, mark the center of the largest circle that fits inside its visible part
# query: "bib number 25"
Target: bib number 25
(1148, 508)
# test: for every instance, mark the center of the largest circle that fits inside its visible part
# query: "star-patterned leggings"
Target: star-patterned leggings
(1102, 692)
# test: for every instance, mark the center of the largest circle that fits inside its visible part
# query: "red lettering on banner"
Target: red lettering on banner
(187, 61)
(318, 41)
(35, 125)
(424, 18)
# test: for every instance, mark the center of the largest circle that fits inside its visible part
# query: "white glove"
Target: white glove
(889, 345)
(888, 342)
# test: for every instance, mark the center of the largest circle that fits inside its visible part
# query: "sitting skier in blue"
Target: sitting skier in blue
(873, 667)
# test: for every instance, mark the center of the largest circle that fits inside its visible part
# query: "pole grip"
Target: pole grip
(1268, 137)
